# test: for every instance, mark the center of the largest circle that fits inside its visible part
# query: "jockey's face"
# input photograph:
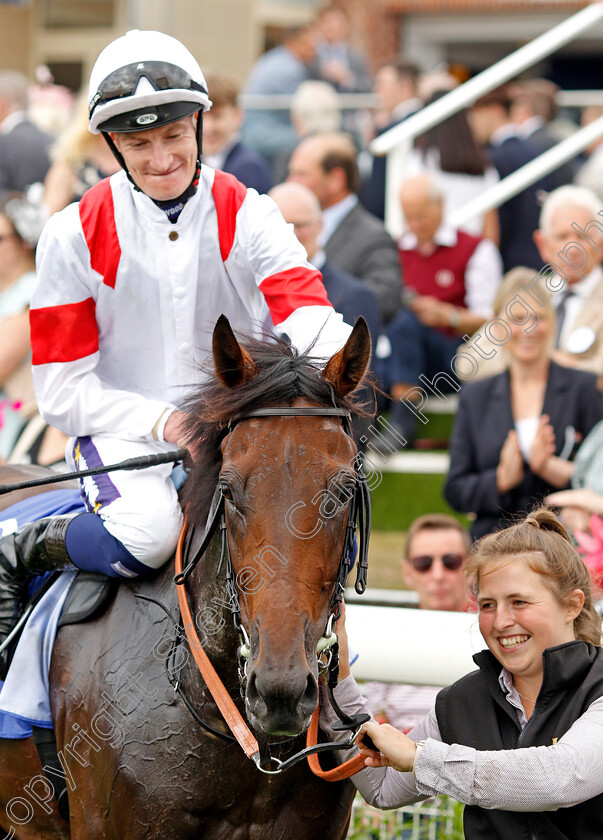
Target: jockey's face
(161, 160)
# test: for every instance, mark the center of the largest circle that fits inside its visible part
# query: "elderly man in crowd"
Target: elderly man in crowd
(349, 296)
(451, 278)
(354, 241)
(570, 241)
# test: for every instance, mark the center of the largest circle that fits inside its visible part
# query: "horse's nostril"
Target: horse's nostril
(311, 693)
(252, 690)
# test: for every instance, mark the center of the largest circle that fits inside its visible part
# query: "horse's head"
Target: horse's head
(287, 481)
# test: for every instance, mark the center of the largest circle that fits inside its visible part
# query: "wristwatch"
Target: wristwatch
(454, 318)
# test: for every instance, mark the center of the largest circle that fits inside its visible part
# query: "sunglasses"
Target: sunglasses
(424, 562)
(161, 74)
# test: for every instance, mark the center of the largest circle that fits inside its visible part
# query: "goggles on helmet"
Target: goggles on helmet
(160, 74)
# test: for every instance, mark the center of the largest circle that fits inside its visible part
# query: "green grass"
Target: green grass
(401, 497)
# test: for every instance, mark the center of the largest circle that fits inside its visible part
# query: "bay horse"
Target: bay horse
(143, 760)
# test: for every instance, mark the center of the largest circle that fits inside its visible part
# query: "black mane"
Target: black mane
(284, 374)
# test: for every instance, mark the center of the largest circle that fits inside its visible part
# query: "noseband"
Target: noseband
(359, 519)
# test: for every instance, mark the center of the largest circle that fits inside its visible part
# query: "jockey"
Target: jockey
(131, 280)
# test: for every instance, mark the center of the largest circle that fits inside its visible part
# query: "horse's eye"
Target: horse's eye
(226, 492)
(344, 490)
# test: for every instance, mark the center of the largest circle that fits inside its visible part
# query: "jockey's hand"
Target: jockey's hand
(173, 431)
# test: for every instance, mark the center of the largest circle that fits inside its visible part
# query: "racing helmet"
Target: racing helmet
(144, 79)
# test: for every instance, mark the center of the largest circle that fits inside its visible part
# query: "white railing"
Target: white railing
(397, 142)
(528, 174)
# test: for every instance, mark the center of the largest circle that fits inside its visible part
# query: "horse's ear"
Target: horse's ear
(232, 363)
(346, 369)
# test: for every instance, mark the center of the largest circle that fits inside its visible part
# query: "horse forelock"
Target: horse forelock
(284, 375)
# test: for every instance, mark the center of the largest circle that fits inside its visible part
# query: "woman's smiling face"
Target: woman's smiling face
(520, 617)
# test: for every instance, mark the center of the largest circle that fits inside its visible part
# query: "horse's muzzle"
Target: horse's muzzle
(281, 703)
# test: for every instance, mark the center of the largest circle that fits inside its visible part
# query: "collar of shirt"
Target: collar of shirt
(529, 126)
(11, 120)
(444, 235)
(503, 133)
(319, 259)
(583, 288)
(218, 160)
(334, 215)
(505, 680)
(404, 109)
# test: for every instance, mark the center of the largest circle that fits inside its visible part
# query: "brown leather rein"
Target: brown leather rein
(235, 721)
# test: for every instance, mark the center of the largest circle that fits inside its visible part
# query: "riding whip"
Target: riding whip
(140, 463)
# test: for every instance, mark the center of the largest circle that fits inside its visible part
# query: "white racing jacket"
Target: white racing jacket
(126, 302)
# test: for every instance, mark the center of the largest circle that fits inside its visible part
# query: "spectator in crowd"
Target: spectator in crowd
(336, 61)
(314, 110)
(281, 70)
(570, 240)
(18, 411)
(519, 739)
(17, 280)
(491, 124)
(531, 111)
(451, 278)
(515, 433)
(354, 241)
(585, 496)
(80, 160)
(222, 146)
(349, 296)
(396, 88)
(433, 565)
(590, 173)
(449, 151)
(23, 146)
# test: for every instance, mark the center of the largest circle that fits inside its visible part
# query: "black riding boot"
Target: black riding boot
(35, 548)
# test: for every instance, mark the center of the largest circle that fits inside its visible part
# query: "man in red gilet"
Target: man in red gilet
(450, 279)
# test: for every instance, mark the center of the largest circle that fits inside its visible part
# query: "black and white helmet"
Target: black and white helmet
(144, 79)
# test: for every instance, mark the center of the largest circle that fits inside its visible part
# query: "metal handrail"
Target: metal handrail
(397, 142)
(528, 174)
(489, 79)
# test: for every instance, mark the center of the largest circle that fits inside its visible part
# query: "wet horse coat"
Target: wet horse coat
(139, 765)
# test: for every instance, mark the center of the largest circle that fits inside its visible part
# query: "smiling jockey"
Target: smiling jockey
(131, 281)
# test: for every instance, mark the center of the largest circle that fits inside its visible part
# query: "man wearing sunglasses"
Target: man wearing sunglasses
(434, 561)
(131, 281)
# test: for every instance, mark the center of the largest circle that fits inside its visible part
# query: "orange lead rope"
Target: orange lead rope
(225, 703)
(337, 774)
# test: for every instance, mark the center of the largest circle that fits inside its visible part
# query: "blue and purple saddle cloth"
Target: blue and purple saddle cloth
(24, 695)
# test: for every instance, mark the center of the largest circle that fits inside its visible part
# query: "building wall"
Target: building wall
(15, 41)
